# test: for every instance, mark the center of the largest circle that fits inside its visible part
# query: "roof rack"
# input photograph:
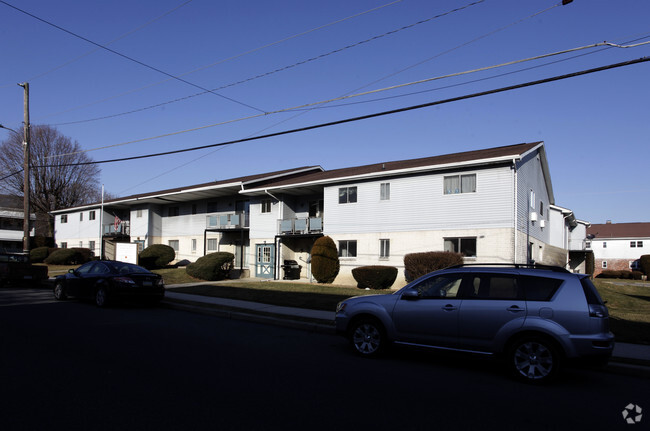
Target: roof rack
(517, 266)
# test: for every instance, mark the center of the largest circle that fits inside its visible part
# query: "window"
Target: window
(266, 206)
(384, 191)
(494, 286)
(604, 264)
(91, 245)
(604, 244)
(193, 245)
(347, 195)
(639, 244)
(173, 243)
(81, 216)
(541, 209)
(443, 286)
(64, 245)
(466, 246)
(64, 218)
(384, 248)
(348, 248)
(540, 288)
(460, 184)
(138, 213)
(91, 215)
(212, 244)
(633, 244)
(173, 211)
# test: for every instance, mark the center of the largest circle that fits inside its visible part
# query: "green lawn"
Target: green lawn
(629, 307)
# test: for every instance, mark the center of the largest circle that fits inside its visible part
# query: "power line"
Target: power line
(375, 115)
(112, 51)
(268, 45)
(344, 97)
(128, 33)
(281, 69)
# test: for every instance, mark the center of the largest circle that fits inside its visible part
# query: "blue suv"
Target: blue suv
(534, 317)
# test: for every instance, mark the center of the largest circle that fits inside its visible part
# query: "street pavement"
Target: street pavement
(633, 359)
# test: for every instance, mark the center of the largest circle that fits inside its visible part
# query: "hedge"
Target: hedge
(156, 256)
(418, 264)
(325, 263)
(69, 256)
(212, 267)
(644, 264)
(625, 275)
(39, 254)
(374, 276)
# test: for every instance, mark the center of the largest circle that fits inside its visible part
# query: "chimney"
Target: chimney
(608, 222)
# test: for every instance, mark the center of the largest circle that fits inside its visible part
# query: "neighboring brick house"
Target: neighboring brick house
(492, 205)
(618, 246)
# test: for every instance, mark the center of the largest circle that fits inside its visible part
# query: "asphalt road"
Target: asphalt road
(71, 366)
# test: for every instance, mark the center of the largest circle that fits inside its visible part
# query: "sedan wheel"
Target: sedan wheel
(367, 337)
(101, 296)
(59, 291)
(534, 360)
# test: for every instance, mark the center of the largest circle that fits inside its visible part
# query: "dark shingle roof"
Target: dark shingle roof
(619, 230)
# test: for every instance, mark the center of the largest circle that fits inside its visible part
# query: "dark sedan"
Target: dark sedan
(106, 281)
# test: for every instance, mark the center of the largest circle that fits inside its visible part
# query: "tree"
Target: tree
(57, 177)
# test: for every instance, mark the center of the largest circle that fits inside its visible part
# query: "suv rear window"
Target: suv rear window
(591, 293)
(540, 288)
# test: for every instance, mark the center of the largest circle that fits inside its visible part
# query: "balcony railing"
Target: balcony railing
(300, 226)
(123, 228)
(236, 220)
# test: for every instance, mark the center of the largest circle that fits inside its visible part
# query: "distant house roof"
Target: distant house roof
(13, 202)
(619, 230)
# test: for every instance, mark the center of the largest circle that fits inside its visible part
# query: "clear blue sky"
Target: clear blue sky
(595, 127)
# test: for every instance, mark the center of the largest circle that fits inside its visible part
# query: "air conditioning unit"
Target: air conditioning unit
(542, 224)
(533, 216)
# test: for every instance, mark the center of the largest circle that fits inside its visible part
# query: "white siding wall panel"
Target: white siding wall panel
(419, 203)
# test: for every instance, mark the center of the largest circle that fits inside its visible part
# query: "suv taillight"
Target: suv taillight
(596, 310)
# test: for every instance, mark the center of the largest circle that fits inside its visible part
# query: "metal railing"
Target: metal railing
(231, 220)
(300, 226)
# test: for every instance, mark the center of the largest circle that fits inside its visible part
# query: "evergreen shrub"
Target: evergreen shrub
(325, 263)
(212, 267)
(39, 254)
(156, 256)
(69, 256)
(644, 264)
(374, 276)
(418, 264)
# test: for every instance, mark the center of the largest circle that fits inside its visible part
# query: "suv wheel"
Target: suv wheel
(533, 359)
(367, 337)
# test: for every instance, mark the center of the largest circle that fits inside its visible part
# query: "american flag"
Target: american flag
(117, 223)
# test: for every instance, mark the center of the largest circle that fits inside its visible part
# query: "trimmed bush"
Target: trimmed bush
(637, 275)
(644, 264)
(69, 256)
(212, 267)
(39, 254)
(374, 276)
(156, 256)
(418, 264)
(325, 263)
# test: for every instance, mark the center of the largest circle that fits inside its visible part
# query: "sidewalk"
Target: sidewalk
(633, 359)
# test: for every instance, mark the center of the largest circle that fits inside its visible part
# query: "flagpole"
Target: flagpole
(101, 226)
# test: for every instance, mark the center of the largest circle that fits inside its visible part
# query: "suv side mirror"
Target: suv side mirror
(410, 294)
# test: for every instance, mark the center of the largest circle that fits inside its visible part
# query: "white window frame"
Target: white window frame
(267, 205)
(64, 218)
(384, 191)
(344, 248)
(214, 242)
(604, 264)
(384, 248)
(448, 185)
(91, 215)
(347, 195)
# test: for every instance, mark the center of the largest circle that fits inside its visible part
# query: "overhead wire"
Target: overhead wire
(141, 63)
(268, 45)
(122, 36)
(281, 69)
(345, 97)
(373, 115)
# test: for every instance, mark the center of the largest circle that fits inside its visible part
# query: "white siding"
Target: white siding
(418, 203)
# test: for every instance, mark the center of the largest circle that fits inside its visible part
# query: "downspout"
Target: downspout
(516, 192)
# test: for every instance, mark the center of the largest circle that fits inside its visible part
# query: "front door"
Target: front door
(264, 258)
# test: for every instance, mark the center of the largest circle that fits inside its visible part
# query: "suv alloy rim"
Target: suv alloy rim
(366, 338)
(533, 360)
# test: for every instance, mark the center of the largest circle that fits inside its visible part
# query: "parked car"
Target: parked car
(16, 268)
(535, 318)
(107, 281)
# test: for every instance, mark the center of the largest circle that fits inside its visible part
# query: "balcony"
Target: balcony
(237, 220)
(300, 226)
(123, 229)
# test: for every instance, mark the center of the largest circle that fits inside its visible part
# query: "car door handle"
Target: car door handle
(515, 309)
(449, 307)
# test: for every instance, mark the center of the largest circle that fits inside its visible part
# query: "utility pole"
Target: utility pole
(26, 188)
